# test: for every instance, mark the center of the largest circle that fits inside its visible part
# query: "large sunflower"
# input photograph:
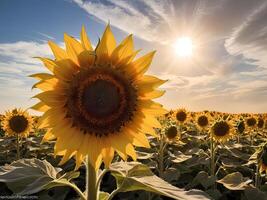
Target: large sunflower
(17, 122)
(221, 130)
(98, 101)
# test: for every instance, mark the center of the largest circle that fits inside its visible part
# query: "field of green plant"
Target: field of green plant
(188, 159)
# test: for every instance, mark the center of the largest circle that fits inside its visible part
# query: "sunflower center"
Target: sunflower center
(251, 121)
(221, 128)
(181, 116)
(203, 121)
(18, 123)
(101, 100)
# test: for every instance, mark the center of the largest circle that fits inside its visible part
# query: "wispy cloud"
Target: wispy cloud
(16, 63)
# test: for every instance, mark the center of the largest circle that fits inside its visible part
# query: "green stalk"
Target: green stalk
(257, 176)
(212, 160)
(17, 145)
(91, 182)
(161, 157)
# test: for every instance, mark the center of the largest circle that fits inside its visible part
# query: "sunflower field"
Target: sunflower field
(101, 135)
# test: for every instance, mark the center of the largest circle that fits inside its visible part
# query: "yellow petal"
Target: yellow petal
(106, 46)
(85, 40)
(107, 152)
(124, 50)
(63, 69)
(40, 107)
(94, 154)
(79, 158)
(139, 139)
(151, 108)
(46, 85)
(48, 136)
(58, 52)
(149, 82)
(73, 48)
(68, 154)
(52, 98)
(51, 118)
(131, 151)
(140, 66)
(152, 121)
(86, 59)
(119, 142)
(150, 95)
(41, 76)
(48, 63)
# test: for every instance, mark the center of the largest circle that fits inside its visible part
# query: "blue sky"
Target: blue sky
(227, 71)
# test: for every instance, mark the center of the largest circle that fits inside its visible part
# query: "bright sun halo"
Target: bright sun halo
(184, 47)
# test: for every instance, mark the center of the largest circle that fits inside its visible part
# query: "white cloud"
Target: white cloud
(16, 63)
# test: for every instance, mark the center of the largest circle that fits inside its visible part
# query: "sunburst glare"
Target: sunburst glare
(184, 47)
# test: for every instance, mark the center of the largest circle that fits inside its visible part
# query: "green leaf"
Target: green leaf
(253, 193)
(103, 196)
(29, 176)
(179, 157)
(204, 179)
(235, 181)
(133, 176)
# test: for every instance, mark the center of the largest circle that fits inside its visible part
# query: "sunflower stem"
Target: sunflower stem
(161, 157)
(212, 160)
(91, 181)
(257, 176)
(17, 145)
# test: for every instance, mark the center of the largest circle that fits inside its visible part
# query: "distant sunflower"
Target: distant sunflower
(241, 127)
(260, 123)
(171, 133)
(181, 115)
(17, 122)
(202, 120)
(98, 101)
(221, 130)
(251, 122)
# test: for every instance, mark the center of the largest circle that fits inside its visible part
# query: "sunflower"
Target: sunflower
(17, 122)
(251, 122)
(171, 133)
(202, 120)
(241, 127)
(98, 101)
(221, 130)
(181, 115)
(260, 123)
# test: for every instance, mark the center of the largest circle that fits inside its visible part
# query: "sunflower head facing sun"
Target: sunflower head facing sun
(171, 133)
(251, 122)
(203, 120)
(240, 127)
(17, 122)
(181, 115)
(221, 130)
(98, 101)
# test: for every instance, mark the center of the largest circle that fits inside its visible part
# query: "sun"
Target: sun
(184, 47)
